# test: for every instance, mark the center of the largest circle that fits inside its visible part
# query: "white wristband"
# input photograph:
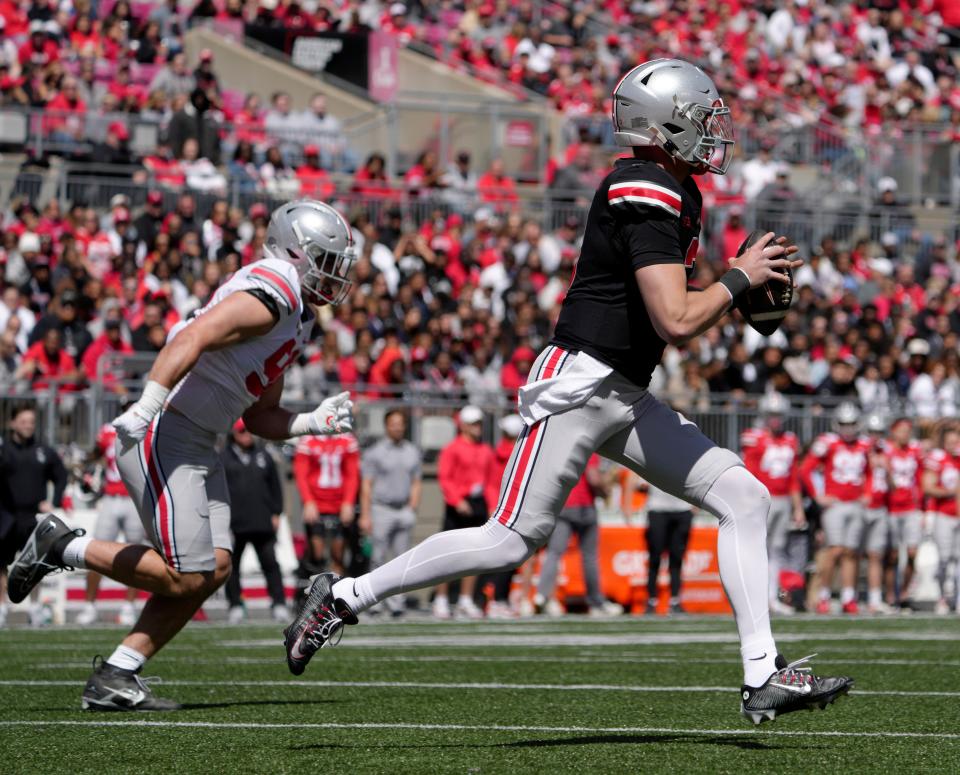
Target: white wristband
(301, 424)
(152, 398)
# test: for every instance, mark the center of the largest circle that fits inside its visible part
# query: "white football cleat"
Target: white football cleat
(280, 613)
(236, 614)
(608, 609)
(941, 609)
(87, 615)
(498, 610)
(467, 608)
(881, 609)
(128, 615)
(781, 609)
(526, 609)
(441, 607)
(553, 608)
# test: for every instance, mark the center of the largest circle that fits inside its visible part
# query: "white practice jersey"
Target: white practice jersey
(224, 383)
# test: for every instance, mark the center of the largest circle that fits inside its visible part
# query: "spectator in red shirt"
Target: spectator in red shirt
(734, 233)
(39, 51)
(46, 363)
(314, 180)
(495, 187)
(513, 375)
(84, 38)
(164, 167)
(398, 25)
(467, 474)
(109, 343)
(65, 112)
(579, 516)
(371, 179)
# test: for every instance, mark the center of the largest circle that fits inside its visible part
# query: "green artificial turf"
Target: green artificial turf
(533, 696)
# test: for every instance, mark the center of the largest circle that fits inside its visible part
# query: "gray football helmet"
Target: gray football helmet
(319, 242)
(876, 423)
(773, 404)
(676, 106)
(846, 419)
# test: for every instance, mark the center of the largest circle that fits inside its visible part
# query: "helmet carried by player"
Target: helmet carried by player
(876, 423)
(674, 105)
(846, 420)
(319, 243)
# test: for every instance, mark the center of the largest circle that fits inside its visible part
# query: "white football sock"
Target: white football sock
(127, 658)
(741, 504)
(441, 557)
(874, 596)
(774, 592)
(825, 593)
(74, 551)
(847, 595)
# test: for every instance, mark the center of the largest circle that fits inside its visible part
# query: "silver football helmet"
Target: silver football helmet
(676, 106)
(319, 242)
(846, 419)
(876, 423)
(773, 403)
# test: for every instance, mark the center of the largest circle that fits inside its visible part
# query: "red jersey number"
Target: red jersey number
(273, 368)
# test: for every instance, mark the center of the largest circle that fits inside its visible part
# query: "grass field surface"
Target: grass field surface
(629, 695)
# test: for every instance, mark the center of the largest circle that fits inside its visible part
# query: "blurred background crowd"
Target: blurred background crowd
(459, 282)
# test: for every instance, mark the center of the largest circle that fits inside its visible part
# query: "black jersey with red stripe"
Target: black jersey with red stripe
(640, 215)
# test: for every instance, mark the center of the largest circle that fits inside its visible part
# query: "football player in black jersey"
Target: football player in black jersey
(587, 392)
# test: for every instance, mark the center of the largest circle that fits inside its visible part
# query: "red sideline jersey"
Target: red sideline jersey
(113, 484)
(947, 469)
(845, 466)
(905, 465)
(773, 459)
(327, 471)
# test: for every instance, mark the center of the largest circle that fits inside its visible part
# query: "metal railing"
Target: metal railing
(74, 418)
(806, 220)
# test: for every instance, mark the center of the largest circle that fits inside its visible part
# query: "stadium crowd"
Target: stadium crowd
(859, 67)
(456, 295)
(455, 306)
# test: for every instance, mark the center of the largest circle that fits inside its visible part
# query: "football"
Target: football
(765, 306)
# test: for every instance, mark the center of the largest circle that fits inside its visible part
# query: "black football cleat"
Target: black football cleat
(112, 688)
(789, 689)
(39, 556)
(319, 619)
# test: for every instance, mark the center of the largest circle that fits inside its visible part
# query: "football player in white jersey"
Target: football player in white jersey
(226, 362)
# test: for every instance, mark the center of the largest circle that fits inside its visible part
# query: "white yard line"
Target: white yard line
(862, 661)
(491, 686)
(506, 638)
(485, 728)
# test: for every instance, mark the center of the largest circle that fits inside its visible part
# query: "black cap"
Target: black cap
(69, 296)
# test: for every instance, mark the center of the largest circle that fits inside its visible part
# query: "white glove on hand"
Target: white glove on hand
(131, 426)
(334, 415)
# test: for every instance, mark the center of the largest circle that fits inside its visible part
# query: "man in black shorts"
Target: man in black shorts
(467, 475)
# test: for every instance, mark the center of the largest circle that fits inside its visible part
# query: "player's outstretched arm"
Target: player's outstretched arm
(678, 315)
(267, 419)
(239, 317)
